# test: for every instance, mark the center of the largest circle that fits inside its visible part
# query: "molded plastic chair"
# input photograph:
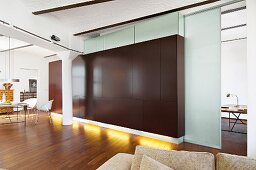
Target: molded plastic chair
(31, 103)
(31, 106)
(47, 108)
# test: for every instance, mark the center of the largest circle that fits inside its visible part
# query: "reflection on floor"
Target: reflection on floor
(81, 146)
(12, 118)
(234, 142)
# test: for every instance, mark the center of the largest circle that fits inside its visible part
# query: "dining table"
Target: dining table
(236, 111)
(14, 109)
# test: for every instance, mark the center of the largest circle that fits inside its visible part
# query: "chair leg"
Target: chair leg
(50, 116)
(9, 116)
(27, 115)
(36, 117)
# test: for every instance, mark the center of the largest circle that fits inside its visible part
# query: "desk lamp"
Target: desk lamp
(233, 95)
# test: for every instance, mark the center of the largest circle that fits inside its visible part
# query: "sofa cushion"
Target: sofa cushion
(234, 162)
(178, 160)
(120, 161)
(148, 163)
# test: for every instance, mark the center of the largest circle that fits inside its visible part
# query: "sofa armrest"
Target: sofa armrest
(121, 161)
(234, 162)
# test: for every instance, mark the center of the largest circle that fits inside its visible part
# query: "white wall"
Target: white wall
(234, 73)
(234, 59)
(251, 70)
(37, 68)
(2, 66)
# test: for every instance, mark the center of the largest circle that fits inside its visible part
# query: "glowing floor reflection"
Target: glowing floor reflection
(153, 143)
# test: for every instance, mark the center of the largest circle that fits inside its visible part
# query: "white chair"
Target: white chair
(31, 103)
(31, 106)
(47, 108)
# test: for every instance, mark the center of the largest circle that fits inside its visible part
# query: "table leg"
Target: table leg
(17, 116)
(25, 112)
(237, 118)
(229, 120)
(9, 116)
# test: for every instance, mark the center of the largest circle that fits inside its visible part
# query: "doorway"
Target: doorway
(234, 78)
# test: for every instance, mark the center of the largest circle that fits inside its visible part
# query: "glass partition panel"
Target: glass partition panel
(119, 38)
(94, 44)
(203, 78)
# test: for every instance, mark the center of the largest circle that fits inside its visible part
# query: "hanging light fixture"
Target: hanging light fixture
(9, 59)
(9, 79)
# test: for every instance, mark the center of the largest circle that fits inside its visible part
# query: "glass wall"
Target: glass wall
(203, 78)
(158, 27)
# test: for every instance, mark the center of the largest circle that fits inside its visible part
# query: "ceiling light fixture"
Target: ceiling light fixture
(9, 79)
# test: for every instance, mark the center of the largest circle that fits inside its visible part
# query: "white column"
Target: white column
(251, 64)
(67, 103)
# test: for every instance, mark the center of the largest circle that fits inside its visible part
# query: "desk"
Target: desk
(12, 110)
(236, 111)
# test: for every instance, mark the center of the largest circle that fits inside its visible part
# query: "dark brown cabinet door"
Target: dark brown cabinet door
(169, 69)
(79, 86)
(160, 118)
(146, 71)
(55, 85)
(125, 112)
(94, 82)
(117, 74)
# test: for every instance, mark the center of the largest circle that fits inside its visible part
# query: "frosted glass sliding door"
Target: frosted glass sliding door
(203, 78)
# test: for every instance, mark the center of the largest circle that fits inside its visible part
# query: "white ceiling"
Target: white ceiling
(36, 5)
(35, 50)
(234, 5)
(233, 19)
(99, 15)
(103, 14)
(4, 43)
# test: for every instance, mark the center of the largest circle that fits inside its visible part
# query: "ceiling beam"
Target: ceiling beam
(76, 5)
(52, 55)
(236, 39)
(232, 27)
(146, 17)
(233, 10)
(16, 48)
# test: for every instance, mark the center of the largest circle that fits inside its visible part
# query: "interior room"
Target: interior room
(233, 74)
(122, 84)
(25, 67)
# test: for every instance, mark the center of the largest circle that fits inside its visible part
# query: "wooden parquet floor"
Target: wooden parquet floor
(81, 146)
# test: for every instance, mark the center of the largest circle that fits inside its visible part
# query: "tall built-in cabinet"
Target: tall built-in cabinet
(138, 86)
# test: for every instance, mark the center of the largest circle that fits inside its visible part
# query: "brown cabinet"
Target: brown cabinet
(146, 70)
(79, 87)
(55, 85)
(9, 96)
(139, 86)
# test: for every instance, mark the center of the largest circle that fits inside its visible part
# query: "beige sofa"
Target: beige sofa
(180, 160)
